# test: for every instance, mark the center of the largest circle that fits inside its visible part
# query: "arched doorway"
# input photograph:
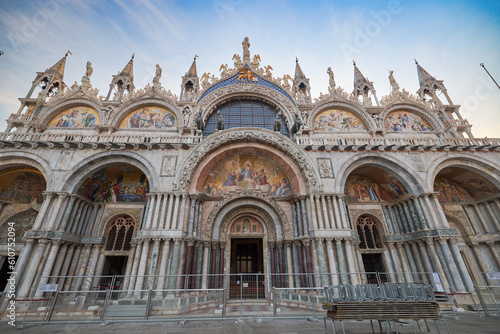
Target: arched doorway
(370, 246)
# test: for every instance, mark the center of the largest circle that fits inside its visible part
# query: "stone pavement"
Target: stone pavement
(469, 323)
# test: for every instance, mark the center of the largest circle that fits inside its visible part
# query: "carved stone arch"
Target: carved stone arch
(121, 113)
(407, 176)
(350, 107)
(124, 223)
(247, 199)
(263, 136)
(487, 169)
(459, 219)
(86, 101)
(12, 159)
(419, 111)
(257, 213)
(284, 105)
(375, 214)
(74, 177)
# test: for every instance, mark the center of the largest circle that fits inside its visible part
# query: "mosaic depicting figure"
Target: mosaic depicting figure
(116, 184)
(479, 187)
(78, 117)
(22, 186)
(363, 189)
(450, 191)
(247, 171)
(404, 121)
(334, 120)
(149, 118)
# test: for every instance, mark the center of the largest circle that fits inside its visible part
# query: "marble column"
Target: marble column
(139, 284)
(163, 221)
(469, 286)
(413, 214)
(82, 267)
(85, 219)
(495, 251)
(72, 267)
(404, 262)
(67, 213)
(299, 219)
(213, 266)
(56, 268)
(435, 223)
(309, 262)
(194, 265)
(419, 212)
(281, 260)
(288, 245)
(153, 263)
(423, 211)
(54, 248)
(151, 210)
(206, 247)
(350, 262)
(331, 212)
(221, 264)
(21, 263)
(420, 266)
(397, 263)
(182, 216)
(390, 265)
(336, 212)
(319, 211)
(482, 220)
(63, 270)
(312, 207)
(341, 260)
(173, 219)
(455, 274)
(46, 204)
(78, 214)
(305, 216)
(493, 216)
(300, 258)
(331, 262)
(189, 256)
(89, 275)
(163, 268)
(388, 220)
(435, 259)
(192, 214)
(171, 201)
(480, 261)
(156, 224)
(440, 212)
(409, 218)
(426, 262)
(402, 216)
(315, 261)
(271, 246)
(326, 216)
(412, 262)
(135, 268)
(322, 262)
(174, 264)
(295, 221)
(27, 282)
(395, 222)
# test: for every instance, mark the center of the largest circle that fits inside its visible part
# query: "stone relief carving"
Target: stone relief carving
(271, 231)
(281, 143)
(168, 165)
(110, 211)
(325, 168)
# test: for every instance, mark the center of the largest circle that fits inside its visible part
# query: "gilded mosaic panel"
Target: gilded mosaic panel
(404, 121)
(75, 117)
(337, 120)
(149, 118)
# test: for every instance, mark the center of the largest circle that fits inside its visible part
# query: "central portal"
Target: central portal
(247, 268)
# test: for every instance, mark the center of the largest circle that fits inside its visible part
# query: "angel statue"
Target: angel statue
(205, 80)
(237, 61)
(286, 77)
(223, 68)
(256, 61)
(267, 73)
(89, 70)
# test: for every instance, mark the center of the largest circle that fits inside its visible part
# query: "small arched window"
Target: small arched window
(369, 234)
(120, 233)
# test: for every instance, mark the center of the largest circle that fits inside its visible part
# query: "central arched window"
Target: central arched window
(245, 113)
(369, 234)
(120, 233)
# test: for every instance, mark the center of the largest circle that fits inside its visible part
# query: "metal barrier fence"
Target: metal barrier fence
(191, 297)
(489, 297)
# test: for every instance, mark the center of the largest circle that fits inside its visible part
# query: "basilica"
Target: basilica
(244, 172)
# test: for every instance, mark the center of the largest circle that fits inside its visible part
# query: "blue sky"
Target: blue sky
(448, 38)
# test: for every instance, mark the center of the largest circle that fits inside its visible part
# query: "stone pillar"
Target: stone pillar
(84, 219)
(21, 263)
(404, 262)
(397, 263)
(67, 213)
(48, 265)
(174, 264)
(155, 224)
(299, 220)
(437, 263)
(343, 213)
(305, 216)
(172, 224)
(56, 268)
(206, 248)
(482, 220)
(182, 214)
(82, 267)
(192, 214)
(427, 262)
(457, 279)
(152, 205)
(288, 245)
(194, 265)
(440, 213)
(322, 262)
(300, 259)
(413, 214)
(341, 259)
(47, 199)
(24, 289)
(153, 263)
(72, 267)
(281, 260)
(435, 223)
(163, 268)
(390, 265)
(493, 216)
(331, 261)
(326, 216)
(388, 220)
(420, 266)
(213, 266)
(409, 218)
(480, 261)
(309, 262)
(63, 270)
(419, 212)
(315, 261)
(139, 284)
(495, 251)
(469, 286)
(135, 267)
(89, 223)
(319, 210)
(189, 256)
(312, 207)
(331, 212)
(89, 275)
(78, 214)
(399, 221)
(164, 221)
(221, 264)
(351, 262)
(271, 246)
(421, 208)
(336, 212)
(412, 262)
(295, 220)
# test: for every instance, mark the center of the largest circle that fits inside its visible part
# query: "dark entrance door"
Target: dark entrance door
(373, 263)
(113, 266)
(247, 268)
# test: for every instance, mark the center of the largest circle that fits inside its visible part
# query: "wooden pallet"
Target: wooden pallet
(383, 310)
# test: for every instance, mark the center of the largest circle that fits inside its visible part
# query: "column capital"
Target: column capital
(157, 241)
(222, 244)
(207, 243)
(442, 240)
(165, 240)
(272, 244)
(491, 243)
(338, 241)
(190, 242)
(329, 239)
(288, 243)
(43, 241)
(306, 242)
(429, 241)
(57, 242)
(48, 194)
(177, 241)
(279, 243)
(215, 244)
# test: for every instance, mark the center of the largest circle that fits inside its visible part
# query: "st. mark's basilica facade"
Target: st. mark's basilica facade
(244, 173)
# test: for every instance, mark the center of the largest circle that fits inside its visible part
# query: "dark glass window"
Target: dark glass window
(369, 234)
(120, 234)
(245, 113)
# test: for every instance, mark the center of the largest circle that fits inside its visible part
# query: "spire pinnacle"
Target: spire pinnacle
(58, 68)
(192, 70)
(423, 75)
(129, 68)
(298, 71)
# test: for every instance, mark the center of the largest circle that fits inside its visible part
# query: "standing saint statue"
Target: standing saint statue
(156, 79)
(246, 51)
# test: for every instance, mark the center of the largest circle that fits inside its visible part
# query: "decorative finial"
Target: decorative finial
(133, 55)
(67, 53)
(353, 62)
(296, 59)
(196, 56)
(416, 62)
